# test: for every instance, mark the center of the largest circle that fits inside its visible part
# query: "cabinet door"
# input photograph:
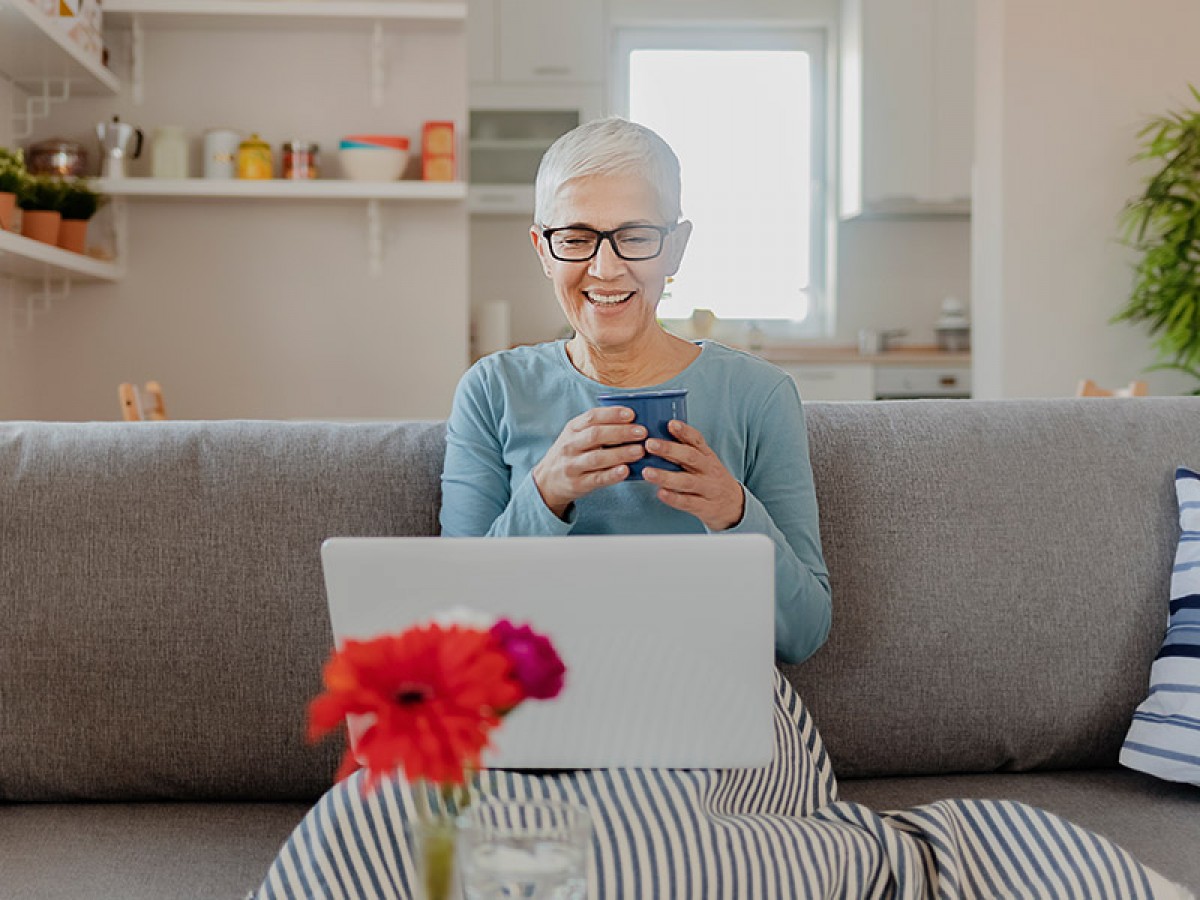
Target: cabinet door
(481, 41)
(953, 99)
(897, 102)
(908, 105)
(840, 382)
(547, 41)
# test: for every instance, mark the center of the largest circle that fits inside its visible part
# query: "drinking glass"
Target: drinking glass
(535, 850)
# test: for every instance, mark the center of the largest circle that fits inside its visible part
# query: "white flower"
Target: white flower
(464, 617)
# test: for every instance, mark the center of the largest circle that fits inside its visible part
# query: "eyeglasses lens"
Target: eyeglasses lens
(632, 243)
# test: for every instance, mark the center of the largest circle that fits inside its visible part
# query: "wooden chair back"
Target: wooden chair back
(141, 404)
(1089, 388)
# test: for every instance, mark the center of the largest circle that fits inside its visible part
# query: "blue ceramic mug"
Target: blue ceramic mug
(652, 410)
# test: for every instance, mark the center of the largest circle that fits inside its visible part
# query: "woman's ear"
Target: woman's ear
(539, 244)
(677, 242)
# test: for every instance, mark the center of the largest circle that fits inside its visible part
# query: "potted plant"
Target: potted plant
(39, 198)
(12, 176)
(79, 203)
(1163, 224)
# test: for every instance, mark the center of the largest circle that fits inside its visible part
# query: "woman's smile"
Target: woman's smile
(607, 298)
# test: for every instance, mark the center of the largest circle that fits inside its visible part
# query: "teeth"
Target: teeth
(607, 299)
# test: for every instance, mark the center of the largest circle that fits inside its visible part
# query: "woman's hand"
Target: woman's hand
(585, 457)
(704, 488)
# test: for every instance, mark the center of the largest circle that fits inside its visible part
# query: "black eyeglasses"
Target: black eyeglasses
(630, 242)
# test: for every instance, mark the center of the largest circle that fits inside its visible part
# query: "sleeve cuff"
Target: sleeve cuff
(754, 517)
(535, 514)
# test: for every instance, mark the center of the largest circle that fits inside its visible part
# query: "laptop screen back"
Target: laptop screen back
(668, 640)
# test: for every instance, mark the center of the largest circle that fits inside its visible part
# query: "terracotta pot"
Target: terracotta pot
(72, 235)
(41, 225)
(8, 211)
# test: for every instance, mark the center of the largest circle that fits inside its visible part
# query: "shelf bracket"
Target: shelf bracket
(120, 229)
(37, 106)
(137, 51)
(374, 238)
(10, 300)
(36, 303)
(378, 63)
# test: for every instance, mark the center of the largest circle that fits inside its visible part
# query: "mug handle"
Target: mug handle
(138, 150)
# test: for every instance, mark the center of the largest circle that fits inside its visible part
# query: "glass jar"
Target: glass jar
(254, 158)
(169, 152)
(300, 160)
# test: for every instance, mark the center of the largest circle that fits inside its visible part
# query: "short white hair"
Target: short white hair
(604, 146)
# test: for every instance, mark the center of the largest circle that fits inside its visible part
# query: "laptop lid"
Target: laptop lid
(668, 640)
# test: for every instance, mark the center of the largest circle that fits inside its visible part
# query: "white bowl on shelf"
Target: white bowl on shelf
(372, 163)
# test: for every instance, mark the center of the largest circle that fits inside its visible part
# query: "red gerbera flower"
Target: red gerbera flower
(434, 693)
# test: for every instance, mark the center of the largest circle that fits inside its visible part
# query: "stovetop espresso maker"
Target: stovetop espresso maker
(116, 138)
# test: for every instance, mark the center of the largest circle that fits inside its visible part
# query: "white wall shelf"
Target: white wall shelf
(29, 260)
(280, 189)
(275, 15)
(223, 13)
(35, 49)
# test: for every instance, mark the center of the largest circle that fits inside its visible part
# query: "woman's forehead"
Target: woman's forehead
(606, 201)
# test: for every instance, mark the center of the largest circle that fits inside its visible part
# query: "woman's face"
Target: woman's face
(610, 301)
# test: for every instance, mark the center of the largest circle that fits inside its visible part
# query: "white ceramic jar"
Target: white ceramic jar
(169, 152)
(220, 153)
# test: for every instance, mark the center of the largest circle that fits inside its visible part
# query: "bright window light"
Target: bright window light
(741, 122)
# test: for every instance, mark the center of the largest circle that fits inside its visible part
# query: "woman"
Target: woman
(530, 451)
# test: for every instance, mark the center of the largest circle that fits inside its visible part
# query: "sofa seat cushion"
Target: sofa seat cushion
(1158, 822)
(65, 851)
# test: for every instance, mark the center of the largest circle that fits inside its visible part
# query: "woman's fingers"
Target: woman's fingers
(704, 488)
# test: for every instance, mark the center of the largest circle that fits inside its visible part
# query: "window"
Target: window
(744, 109)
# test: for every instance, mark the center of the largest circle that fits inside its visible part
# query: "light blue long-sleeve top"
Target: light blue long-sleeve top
(511, 406)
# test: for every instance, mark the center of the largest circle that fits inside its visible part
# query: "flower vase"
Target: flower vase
(433, 842)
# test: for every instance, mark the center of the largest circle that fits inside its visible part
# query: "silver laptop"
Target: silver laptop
(668, 640)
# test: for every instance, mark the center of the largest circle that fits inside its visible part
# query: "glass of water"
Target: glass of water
(534, 850)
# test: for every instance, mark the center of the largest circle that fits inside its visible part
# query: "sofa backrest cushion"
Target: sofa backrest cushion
(1000, 573)
(162, 609)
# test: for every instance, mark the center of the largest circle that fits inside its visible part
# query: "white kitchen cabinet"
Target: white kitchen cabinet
(849, 381)
(535, 71)
(536, 41)
(510, 129)
(551, 41)
(908, 382)
(907, 106)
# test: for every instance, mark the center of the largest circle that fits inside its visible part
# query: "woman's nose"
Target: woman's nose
(606, 262)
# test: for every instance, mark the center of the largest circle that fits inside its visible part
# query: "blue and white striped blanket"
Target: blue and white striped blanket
(774, 832)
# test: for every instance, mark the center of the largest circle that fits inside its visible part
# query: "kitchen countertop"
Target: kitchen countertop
(831, 354)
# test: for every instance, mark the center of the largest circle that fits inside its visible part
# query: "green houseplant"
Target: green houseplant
(40, 197)
(12, 177)
(1163, 225)
(78, 204)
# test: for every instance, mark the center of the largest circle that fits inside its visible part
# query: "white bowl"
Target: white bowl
(372, 163)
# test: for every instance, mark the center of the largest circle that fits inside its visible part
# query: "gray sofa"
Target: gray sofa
(1000, 575)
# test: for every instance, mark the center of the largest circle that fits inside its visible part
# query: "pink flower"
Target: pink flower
(537, 666)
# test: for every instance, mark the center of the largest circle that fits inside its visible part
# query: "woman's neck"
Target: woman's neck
(657, 358)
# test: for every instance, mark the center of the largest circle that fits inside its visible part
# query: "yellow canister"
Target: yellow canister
(254, 158)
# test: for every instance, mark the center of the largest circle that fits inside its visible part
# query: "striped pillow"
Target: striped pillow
(1164, 739)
